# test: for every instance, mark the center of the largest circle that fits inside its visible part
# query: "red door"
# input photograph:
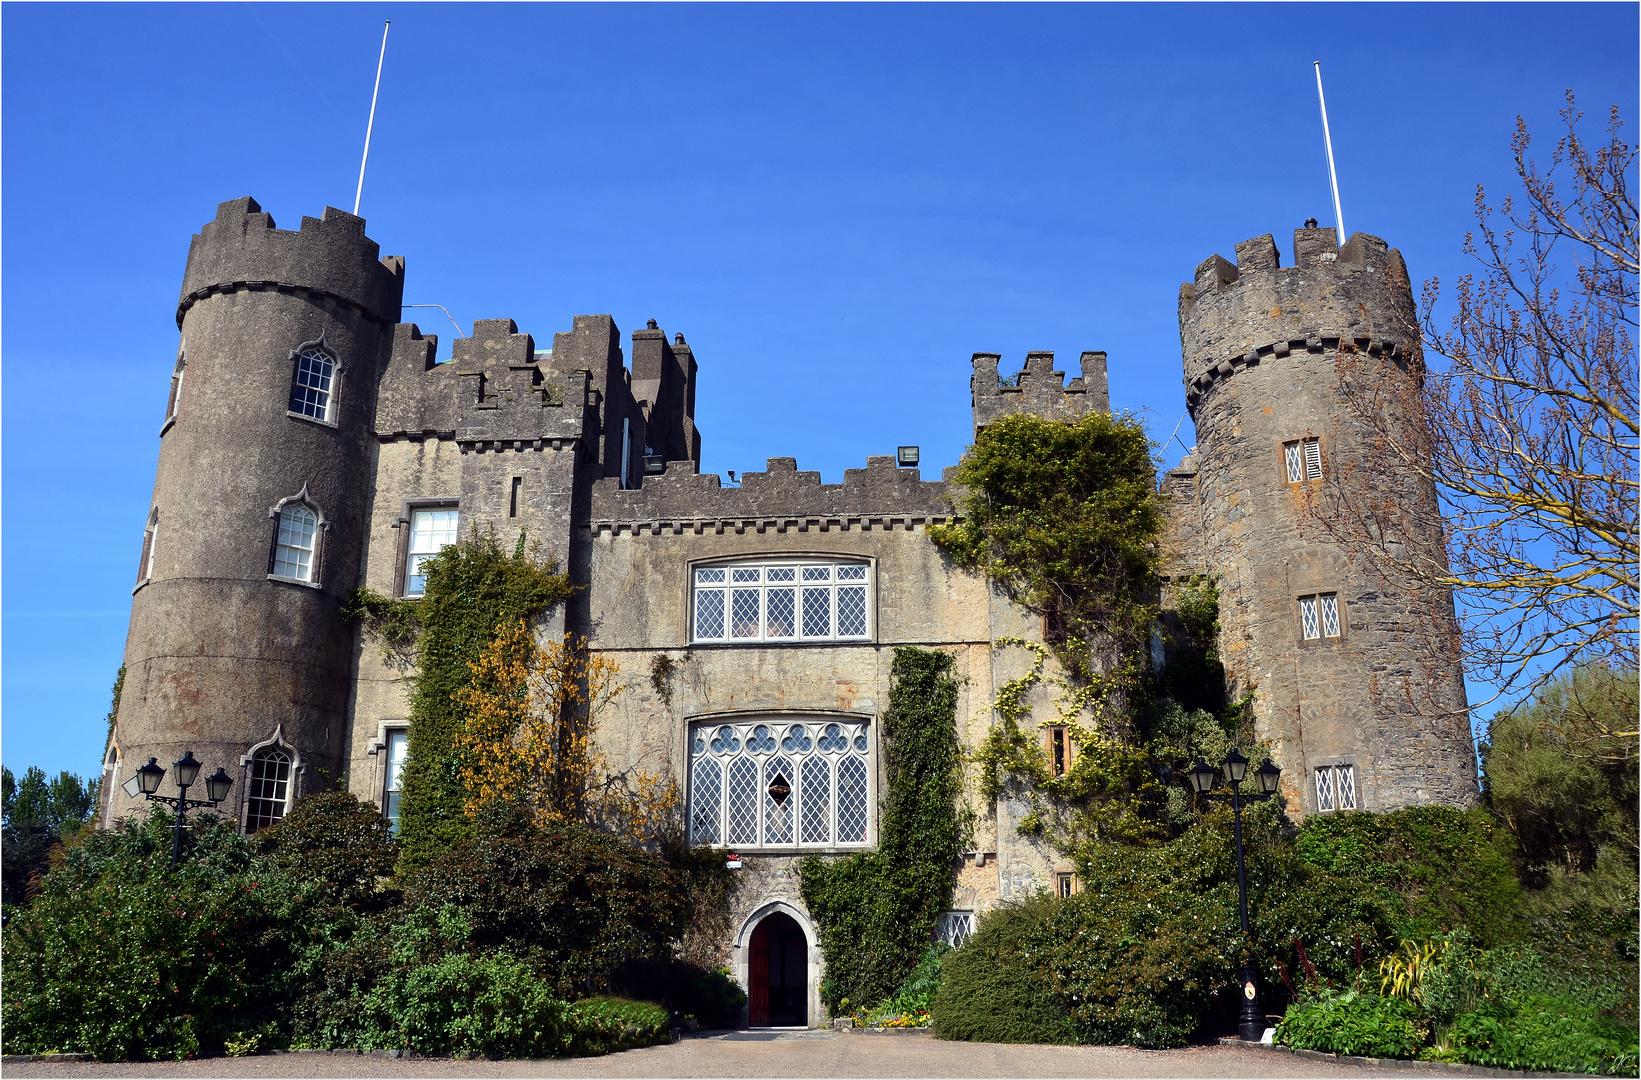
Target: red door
(758, 976)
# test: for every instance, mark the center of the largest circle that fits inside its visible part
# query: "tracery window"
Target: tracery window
(796, 600)
(294, 548)
(270, 788)
(311, 389)
(781, 785)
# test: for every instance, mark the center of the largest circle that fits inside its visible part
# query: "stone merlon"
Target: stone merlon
(1234, 315)
(1037, 388)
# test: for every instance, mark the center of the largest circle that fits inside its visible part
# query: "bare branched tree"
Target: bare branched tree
(1530, 427)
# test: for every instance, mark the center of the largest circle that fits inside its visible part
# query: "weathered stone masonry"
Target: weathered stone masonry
(598, 462)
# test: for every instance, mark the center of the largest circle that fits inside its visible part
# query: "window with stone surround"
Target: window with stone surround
(314, 384)
(788, 600)
(1335, 788)
(431, 531)
(1303, 458)
(396, 751)
(793, 785)
(296, 543)
(955, 927)
(270, 789)
(1319, 617)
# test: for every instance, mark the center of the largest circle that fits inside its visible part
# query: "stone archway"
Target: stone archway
(777, 959)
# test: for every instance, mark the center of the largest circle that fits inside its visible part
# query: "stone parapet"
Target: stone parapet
(1037, 389)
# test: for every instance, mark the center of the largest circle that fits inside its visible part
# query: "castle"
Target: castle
(313, 443)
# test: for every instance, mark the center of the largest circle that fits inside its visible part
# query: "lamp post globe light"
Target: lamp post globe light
(187, 768)
(1251, 1026)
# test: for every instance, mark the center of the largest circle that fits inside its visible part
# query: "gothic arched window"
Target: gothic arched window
(297, 542)
(270, 788)
(313, 386)
(770, 784)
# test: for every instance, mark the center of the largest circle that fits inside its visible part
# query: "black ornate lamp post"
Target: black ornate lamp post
(1235, 766)
(216, 787)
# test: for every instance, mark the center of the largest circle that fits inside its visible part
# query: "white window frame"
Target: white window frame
(1321, 617)
(265, 811)
(955, 927)
(791, 746)
(304, 408)
(781, 589)
(1336, 788)
(298, 522)
(423, 545)
(395, 750)
(1302, 459)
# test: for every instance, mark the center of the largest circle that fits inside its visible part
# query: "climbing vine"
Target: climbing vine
(1065, 517)
(877, 910)
(473, 588)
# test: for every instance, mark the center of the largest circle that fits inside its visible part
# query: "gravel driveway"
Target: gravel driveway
(751, 1054)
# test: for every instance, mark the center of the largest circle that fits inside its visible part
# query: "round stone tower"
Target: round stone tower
(236, 649)
(1355, 668)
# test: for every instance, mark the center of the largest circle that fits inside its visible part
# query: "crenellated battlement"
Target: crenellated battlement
(329, 260)
(780, 498)
(1234, 315)
(492, 393)
(1037, 388)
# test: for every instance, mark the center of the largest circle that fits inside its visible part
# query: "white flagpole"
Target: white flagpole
(1338, 214)
(357, 195)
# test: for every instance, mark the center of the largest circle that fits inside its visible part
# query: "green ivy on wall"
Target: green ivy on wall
(1066, 518)
(877, 910)
(473, 587)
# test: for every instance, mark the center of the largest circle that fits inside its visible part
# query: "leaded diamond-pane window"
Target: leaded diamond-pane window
(1344, 786)
(1324, 788)
(788, 785)
(797, 600)
(1307, 618)
(1303, 458)
(1330, 615)
(1296, 464)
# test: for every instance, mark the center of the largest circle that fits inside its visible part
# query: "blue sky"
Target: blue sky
(837, 204)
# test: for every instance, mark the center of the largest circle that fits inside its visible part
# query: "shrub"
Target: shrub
(123, 957)
(341, 844)
(1351, 1023)
(711, 996)
(1437, 868)
(604, 1025)
(995, 988)
(1543, 1033)
(571, 901)
(1148, 953)
(487, 1005)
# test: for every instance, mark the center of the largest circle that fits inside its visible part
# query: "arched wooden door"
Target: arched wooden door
(778, 970)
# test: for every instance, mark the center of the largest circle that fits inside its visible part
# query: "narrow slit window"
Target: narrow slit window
(315, 379)
(1059, 750)
(398, 750)
(513, 498)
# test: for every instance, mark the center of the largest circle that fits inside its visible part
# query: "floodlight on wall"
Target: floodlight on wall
(654, 464)
(906, 456)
